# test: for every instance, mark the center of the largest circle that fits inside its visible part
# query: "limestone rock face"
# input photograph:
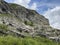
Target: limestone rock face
(24, 22)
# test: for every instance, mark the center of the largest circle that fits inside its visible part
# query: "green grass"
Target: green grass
(14, 6)
(10, 40)
(8, 15)
(3, 27)
(29, 23)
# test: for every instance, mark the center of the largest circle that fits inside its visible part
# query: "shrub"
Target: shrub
(3, 27)
(29, 23)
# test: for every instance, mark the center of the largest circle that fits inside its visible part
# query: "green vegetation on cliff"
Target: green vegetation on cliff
(3, 27)
(29, 23)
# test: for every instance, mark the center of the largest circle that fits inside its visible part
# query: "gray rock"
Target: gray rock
(14, 16)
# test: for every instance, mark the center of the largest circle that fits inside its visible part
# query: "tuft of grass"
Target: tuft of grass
(29, 23)
(3, 27)
(5, 15)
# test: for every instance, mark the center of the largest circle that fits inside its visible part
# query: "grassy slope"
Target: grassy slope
(9, 40)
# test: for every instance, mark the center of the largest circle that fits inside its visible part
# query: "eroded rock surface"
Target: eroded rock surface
(24, 22)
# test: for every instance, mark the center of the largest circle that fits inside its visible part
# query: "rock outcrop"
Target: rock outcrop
(24, 22)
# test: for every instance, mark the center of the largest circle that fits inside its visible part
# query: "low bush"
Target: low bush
(3, 27)
(29, 23)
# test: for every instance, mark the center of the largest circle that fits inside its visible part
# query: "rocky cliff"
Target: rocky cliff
(16, 20)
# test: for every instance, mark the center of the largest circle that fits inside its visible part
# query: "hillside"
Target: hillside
(19, 22)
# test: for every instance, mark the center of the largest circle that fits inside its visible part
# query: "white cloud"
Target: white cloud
(54, 17)
(34, 6)
(23, 2)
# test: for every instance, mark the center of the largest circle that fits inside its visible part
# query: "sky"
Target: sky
(48, 8)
